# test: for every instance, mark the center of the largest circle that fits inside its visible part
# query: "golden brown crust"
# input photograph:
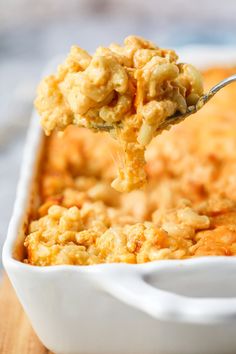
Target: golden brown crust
(186, 210)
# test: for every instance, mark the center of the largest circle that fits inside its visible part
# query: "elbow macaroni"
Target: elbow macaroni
(132, 88)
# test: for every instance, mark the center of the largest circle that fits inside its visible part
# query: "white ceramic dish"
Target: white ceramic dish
(166, 307)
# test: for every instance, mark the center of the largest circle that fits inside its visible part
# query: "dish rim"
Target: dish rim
(126, 282)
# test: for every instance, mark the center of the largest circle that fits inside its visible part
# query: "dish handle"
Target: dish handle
(133, 289)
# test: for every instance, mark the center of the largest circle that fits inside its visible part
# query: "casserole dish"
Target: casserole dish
(172, 306)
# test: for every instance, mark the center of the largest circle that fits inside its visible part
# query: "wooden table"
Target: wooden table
(16, 333)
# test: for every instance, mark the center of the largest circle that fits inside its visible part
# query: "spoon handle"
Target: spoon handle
(207, 96)
(222, 84)
(177, 118)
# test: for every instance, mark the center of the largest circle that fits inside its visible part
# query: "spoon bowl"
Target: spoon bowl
(179, 117)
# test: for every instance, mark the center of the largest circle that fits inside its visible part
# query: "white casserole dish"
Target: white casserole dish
(165, 307)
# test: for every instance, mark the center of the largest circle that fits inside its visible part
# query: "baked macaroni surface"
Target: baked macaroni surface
(187, 209)
(131, 89)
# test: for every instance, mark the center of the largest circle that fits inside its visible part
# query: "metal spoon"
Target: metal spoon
(178, 117)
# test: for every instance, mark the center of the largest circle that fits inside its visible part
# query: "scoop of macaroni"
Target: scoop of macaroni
(131, 88)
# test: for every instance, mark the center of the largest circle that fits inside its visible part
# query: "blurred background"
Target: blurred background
(34, 31)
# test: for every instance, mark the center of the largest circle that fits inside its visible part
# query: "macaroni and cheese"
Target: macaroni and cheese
(129, 89)
(187, 208)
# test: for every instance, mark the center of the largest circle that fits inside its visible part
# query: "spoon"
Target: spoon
(179, 117)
